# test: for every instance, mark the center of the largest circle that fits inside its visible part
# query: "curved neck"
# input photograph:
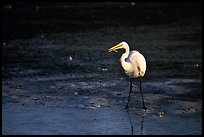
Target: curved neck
(124, 56)
(124, 59)
(127, 51)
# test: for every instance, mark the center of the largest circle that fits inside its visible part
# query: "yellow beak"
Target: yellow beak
(114, 48)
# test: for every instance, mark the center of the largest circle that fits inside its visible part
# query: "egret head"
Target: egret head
(118, 46)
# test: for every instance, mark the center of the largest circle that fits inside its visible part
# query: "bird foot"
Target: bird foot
(144, 107)
(126, 107)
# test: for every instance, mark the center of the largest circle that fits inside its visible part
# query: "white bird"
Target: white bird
(134, 65)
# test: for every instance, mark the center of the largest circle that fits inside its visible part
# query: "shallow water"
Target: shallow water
(68, 83)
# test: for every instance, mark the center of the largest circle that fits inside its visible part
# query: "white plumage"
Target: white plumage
(133, 63)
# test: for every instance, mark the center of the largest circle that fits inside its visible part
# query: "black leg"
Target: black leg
(129, 93)
(144, 107)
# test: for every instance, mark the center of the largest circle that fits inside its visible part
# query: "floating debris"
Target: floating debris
(190, 109)
(37, 8)
(70, 58)
(133, 3)
(103, 69)
(161, 114)
(4, 43)
(42, 36)
(93, 106)
(196, 65)
(52, 87)
(76, 93)
(8, 7)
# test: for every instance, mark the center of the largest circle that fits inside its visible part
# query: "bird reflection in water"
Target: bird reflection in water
(142, 125)
(132, 128)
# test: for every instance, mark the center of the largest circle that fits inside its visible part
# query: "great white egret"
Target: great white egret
(134, 65)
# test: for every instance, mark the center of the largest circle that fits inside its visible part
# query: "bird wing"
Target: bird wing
(138, 62)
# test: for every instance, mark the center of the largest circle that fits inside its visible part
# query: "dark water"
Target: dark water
(56, 58)
(89, 16)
